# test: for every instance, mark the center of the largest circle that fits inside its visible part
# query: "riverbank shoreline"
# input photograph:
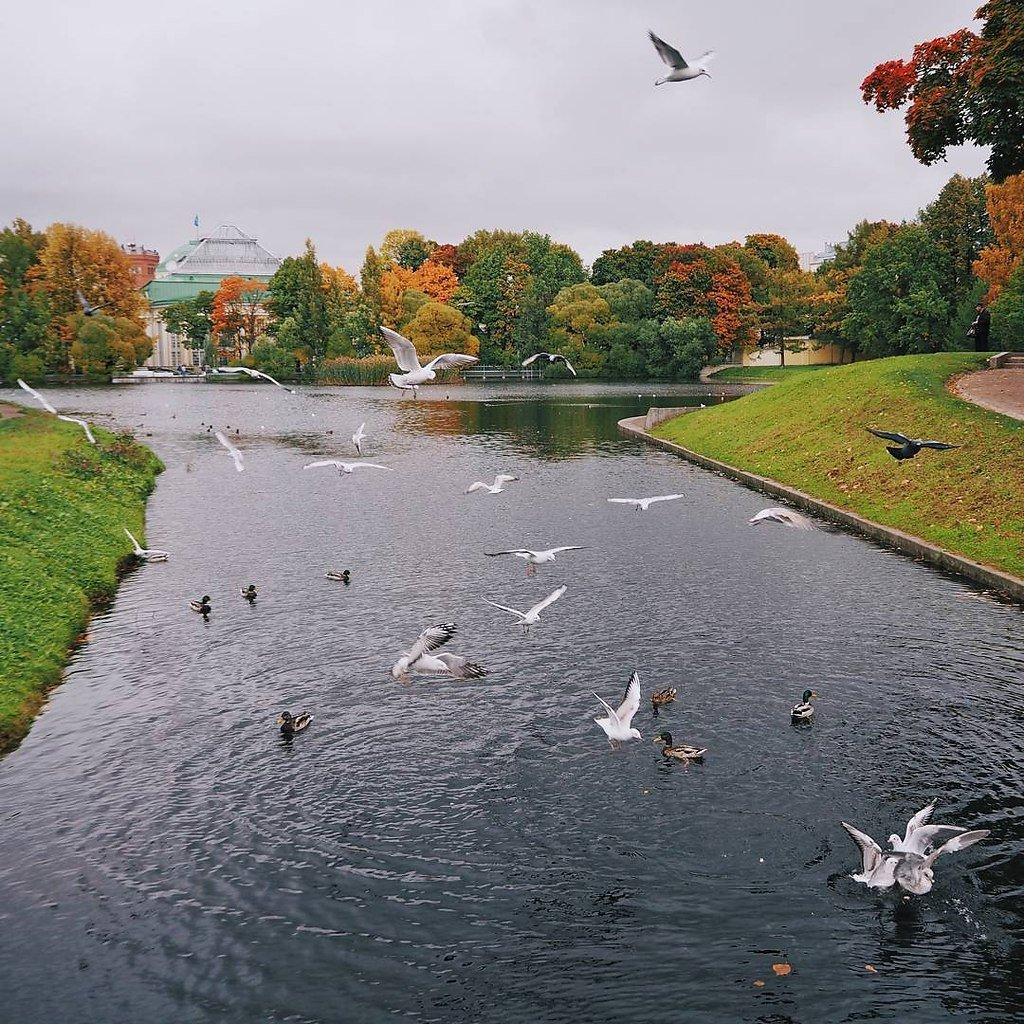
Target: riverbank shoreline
(64, 505)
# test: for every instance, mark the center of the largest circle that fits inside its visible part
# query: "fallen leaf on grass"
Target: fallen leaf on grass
(782, 969)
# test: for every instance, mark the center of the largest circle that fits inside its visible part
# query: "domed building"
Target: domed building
(198, 266)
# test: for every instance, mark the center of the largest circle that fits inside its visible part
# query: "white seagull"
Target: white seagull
(681, 71)
(920, 837)
(552, 357)
(147, 554)
(414, 375)
(346, 467)
(49, 408)
(232, 451)
(881, 869)
(358, 437)
(534, 558)
(529, 618)
(496, 488)
(643, 504)
(254, 373)
(786, 516)
(420, 657)
(618, 725)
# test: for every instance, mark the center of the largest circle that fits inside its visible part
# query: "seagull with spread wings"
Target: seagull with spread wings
(258, 374)
(358, 437)
(146, 554)
(534, 558)
(786, 516)
(681, 70)
(552, 357)
(50, 409)
(908, 446)
(643, 504)
(420, 658)
(618, 725)
(920, 837)
(496, 488)
(346, 467)
(413, 374)
(232, 450)
(529, 618)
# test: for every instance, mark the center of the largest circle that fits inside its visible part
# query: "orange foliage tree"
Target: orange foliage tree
(239, 315)
(997, 262)
(436, 280)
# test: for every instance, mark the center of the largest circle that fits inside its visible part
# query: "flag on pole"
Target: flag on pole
(195, 220)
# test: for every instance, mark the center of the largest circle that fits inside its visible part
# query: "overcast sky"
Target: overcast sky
(341, 120)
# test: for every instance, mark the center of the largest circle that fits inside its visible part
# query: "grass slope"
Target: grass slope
(808, 432)
(757, 374)
(64, 504)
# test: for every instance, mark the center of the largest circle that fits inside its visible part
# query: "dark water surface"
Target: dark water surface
(474, 851)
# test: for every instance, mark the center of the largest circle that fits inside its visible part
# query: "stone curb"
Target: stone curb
(1011, 587)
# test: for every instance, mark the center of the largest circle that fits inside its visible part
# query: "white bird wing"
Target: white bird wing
(664, 497)
(630, 702)
(704, 59)
(505, 608)
(923, 839)
(870, 851)
(81, 423)
(430, 639)
(550, 599)
(554, 551)
(568, 365)
(135, 543)
(960, 842)
(325, 462)
(460, 667)
(612, 715)
(669, 54)
(922, 817)
(504, 478)
(515, 551)
(535, 357)
(366, 465)
(404, 350)
(266, 376)
(627, 501)
(38, 397)
(476, 486)
(450, 359)
(234, 452)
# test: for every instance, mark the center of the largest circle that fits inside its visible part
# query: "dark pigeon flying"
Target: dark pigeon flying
(909, 446)
(88, 309)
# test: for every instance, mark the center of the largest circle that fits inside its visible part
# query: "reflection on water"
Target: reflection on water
(474, 851)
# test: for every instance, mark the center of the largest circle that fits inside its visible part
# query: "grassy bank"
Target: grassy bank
(758, 374)
(64, 504)
(809, 432)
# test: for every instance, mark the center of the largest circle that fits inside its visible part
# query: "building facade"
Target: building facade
(197, 266)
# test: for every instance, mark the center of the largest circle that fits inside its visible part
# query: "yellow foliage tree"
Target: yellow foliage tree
(436, 280)
(393, 282)
(437, 328)
(997, 262)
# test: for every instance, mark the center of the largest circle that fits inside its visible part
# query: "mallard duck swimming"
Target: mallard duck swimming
(249, 593)
(290, 724)
(662, 697)
(804, 711)
(343, 576)
(680, 751)
(202, 605)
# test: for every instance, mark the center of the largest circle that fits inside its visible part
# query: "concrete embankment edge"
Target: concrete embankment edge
(1008, 586)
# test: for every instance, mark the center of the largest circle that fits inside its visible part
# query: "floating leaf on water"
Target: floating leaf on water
(782, 969)
(871, 967)
(758, 984)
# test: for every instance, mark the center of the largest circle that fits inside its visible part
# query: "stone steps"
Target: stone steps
(1007, 361)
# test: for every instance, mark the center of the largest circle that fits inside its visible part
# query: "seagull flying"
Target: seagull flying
(346, 467)
(786, 516)
(358, 437)
(534, 558)
(552, 357)
(232, 451)
(920, 837)
(618, 724)
(496, 488)
(254, 373)
(527, 619)
(909, 446)
(420, 657)
(681, 71)
(643, 504)
(881, 869)
(87, 309)
(414, 375)
(49, 408)
(147, 554)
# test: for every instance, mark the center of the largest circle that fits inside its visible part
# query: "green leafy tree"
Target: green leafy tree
(690, 346)
(25, 320)
(437, 328)
(1008, 313)
(406, 248)
(369, 281)
(774, 250)
(275, 355)
(102, 344)
(191, 319)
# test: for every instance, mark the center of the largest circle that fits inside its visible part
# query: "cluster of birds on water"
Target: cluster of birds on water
(909, 861)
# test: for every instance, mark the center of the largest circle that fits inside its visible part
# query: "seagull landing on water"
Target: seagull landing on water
(552, 357)
(147, 554)
(909, 446)
(786, 516)
(681, 71)
(50, 409)
(414, 375)
(232, 451)
(254, 373)
(643, 504)
(529, 618)
(87, 308)
(421, 659)
(346, 467)
(534, 558)
(358, 437)
(920, 837)
(496, 488)
(618, 724)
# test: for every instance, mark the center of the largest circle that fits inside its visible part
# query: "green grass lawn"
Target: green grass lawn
(808, 432)
(64, 504)
(757, 374)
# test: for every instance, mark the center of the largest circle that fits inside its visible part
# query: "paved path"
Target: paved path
(998, 390)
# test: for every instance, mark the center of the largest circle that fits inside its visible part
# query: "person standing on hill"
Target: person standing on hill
(979, 328)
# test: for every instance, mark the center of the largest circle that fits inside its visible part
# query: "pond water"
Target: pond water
(474, 851)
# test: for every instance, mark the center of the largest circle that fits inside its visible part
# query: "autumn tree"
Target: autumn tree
(997, 262)
(103, 344)
(437, 328)
(437, 280)
(405, 248)
(448, 256)
(962, 87)
(776, 252)
(239, 316)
